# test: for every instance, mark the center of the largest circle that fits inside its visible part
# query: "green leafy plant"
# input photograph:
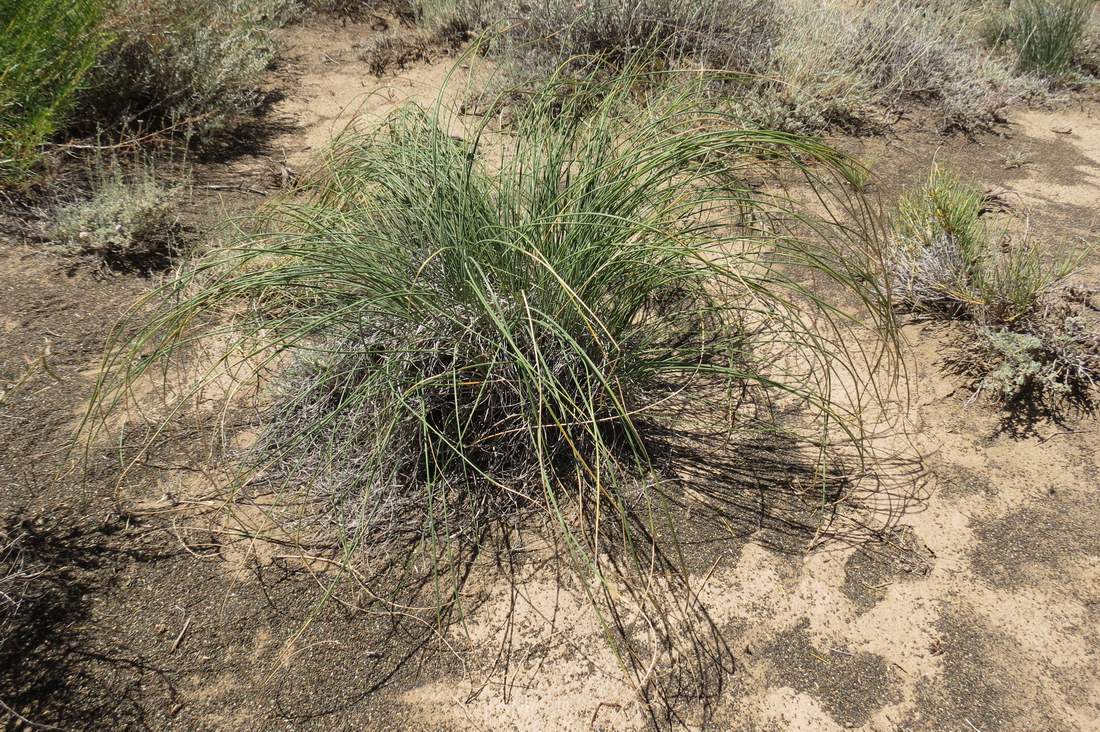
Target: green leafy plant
(1016, 365)
(1026, 339)
(946, 260)
(1052, 358)
(46, 48)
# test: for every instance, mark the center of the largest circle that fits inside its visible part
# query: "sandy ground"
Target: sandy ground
(977, 608)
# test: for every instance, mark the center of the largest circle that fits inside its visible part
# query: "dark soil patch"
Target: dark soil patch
(899, 557)
(974, 690)
(94, 643)
(1040, 538)
(850, 686)
(956, 481)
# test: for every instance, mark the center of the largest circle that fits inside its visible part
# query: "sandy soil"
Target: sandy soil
(978, 608)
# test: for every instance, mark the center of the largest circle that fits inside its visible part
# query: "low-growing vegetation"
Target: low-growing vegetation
(190, 68)
(469, 332)
(843, 66)
(1045, 35)
(197, 67)
(130, 219)
(192, 65)
(1028, 338)
(797, 64)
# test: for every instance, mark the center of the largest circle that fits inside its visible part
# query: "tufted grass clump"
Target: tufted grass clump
(471, 327)
(1047, 34)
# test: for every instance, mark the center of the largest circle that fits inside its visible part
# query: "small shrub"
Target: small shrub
(471, 335)
(941, 245)
(1047, 33)
(46, 48)
(836, 64)
(131, 221)
(591, 37)
(1026, 340)
(946, 260)
(996, 25)
(721, 34)
(193, 64)
(1015, 365)
(1067, 326)
(395, 51)
(1052, 357)
(1016, 158)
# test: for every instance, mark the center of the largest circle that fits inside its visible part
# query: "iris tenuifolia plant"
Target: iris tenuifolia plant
(473, 329)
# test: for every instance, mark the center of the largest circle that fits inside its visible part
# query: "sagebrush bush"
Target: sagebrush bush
(470, 329)
(721, 34)
(1050, 358)
(46, 48)
(803, 65)
(837, 64)
(390, 50)
(1024, 337)
(130, 219)
(1014, 365)
(592, 37)
(195, 65)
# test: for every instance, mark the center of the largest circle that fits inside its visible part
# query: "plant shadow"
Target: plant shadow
(48, 670)
(715, 495)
